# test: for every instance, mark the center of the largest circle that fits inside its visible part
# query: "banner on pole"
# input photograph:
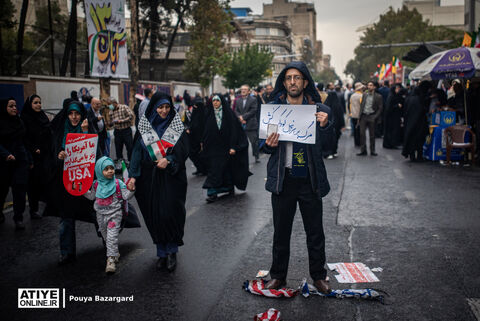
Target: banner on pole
(79, 165)
(107, 38)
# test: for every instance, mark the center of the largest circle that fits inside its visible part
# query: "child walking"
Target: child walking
(109, 194)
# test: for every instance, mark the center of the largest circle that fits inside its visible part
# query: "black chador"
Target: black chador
(223, 132)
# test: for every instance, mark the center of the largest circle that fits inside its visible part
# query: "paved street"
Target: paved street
(420, 222)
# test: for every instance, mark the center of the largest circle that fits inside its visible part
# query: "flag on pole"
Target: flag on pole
(382, 72)
(477, 40)
(394, 65)
(467, 40)
(388, 70)
(124, 172)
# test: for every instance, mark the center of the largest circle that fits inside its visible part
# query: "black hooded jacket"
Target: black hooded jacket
(324, 138)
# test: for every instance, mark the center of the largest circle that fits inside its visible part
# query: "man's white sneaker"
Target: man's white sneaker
(110, 268)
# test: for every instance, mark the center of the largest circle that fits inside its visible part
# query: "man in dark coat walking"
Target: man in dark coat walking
(370, 111)
(296, 174)
(95, 118)
(246, 111)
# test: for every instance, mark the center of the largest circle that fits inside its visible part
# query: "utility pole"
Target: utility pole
(52, 41)
(135, 52)
(470, 4)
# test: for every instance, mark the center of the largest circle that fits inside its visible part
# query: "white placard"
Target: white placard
(296, 123)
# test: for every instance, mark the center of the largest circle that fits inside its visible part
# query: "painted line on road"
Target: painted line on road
(389, 157)
(192, 210)
(398, 173)
(475, 306)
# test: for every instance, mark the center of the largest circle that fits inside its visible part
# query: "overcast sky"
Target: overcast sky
(337, 21)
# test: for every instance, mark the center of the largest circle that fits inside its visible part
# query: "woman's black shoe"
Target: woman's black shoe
(161, 263)
(171, 262)
(65, 259)
(35, 216)
(19, 226)
(211, 198)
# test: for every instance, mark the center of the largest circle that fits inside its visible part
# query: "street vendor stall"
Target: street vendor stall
(458, 63)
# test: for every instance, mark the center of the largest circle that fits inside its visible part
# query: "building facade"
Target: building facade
(439, 13)
(302, 18)
(270, 34)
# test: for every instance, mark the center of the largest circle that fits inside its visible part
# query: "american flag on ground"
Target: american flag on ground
(258, 287)
(270, 315)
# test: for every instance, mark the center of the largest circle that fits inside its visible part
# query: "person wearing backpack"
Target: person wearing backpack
(110, 195)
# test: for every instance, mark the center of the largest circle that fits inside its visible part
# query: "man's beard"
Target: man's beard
(295, 94)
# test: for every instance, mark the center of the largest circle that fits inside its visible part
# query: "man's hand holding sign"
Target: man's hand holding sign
(294, 123)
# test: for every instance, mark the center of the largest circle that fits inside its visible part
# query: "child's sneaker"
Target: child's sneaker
(110, 268)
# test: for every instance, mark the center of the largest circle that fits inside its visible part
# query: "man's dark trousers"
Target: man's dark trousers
(355, 131)
(297, 190)
(367, 121)
(253, 138)
(123, 137)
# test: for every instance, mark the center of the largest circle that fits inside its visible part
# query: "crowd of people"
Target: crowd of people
(215, 133)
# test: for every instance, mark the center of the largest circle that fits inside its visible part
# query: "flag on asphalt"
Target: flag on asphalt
(270, 315)
(258, 287)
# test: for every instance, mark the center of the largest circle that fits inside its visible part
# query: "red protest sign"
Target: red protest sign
(79, 165)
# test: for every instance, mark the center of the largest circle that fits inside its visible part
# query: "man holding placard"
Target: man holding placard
(297, 127)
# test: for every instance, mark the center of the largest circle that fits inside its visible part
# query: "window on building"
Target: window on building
(262, 31)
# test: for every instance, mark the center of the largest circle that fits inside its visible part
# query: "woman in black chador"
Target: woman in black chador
(71, 119)
(392, 137)
(39, 144)
(196, 126)
(14, 160)
(161, 186)
(226, 147)
(416, 125)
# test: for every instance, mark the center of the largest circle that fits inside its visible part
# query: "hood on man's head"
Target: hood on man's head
(309, 90)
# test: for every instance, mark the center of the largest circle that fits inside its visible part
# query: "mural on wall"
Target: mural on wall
(107, 38)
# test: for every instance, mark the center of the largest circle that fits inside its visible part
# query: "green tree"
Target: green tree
(249, 65)
(325, 76)
(208, 54)
(40, 63)
(395, 26)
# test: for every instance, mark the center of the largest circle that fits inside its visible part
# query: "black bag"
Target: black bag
(130, 219)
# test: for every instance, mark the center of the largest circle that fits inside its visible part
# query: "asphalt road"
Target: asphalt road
(419, 222)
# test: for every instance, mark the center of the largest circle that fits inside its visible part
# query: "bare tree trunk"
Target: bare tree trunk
(73, 58)
(154, 18)
(21, 31)
(2, 69)
(145, 37)
(68, 44)
(52, 40)
(170, 45)
(135, 52)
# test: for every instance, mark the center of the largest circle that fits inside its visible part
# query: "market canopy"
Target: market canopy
(462, 62)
